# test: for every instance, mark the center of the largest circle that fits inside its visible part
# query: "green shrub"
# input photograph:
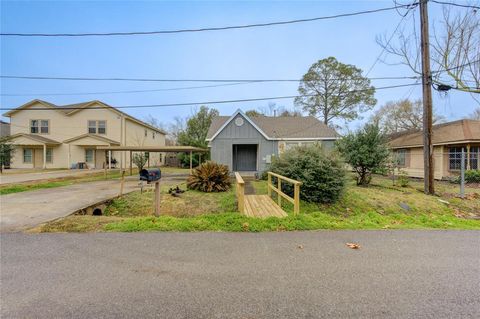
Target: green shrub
(322, 175)
(366, 151)
(210, 177)
(472, 176)
(403, 179)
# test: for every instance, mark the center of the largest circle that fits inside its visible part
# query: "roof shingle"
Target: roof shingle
(282, 126)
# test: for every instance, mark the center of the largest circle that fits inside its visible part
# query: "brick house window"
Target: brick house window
(455, 158)
(401, 157)
(474, 157)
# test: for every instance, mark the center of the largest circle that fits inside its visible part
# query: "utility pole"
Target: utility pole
(427, 100)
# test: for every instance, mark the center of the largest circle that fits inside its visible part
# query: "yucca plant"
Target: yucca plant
(210, 177)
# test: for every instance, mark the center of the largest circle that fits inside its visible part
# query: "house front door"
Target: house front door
(245, 157)
(38, 158)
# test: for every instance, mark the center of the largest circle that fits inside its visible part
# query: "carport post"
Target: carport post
(191, 164)
(44, 156)
(148, 160)
(109, 159)
(199, 159)
(130, 163)
(105, 165)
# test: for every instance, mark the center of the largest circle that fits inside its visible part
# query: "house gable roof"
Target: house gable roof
(37, 138)
(278, 128)
(94, 136)
(70, 109)
(445, 133)
(217, 122)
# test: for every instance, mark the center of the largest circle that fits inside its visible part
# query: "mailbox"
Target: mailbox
(150, 175)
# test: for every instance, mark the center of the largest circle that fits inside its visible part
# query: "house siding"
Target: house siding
(221, 146)
(63, 127)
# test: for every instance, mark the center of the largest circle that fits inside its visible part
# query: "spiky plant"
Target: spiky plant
(210, 177)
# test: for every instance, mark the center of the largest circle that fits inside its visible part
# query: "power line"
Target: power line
(457, 4)
(244, 26)
(206, 102)
(122, 92)
(175, 89)
(178, 80)
(388, 42)
(457, 67)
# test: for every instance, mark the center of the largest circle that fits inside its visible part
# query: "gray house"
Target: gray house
(247, 144)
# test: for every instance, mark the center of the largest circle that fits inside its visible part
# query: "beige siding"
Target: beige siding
(414, 166)
(63, 127)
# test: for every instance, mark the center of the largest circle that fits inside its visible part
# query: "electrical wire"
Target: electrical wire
(456, 4)
(388, 42)
(244, 26)
(206, 102)
(179, 80)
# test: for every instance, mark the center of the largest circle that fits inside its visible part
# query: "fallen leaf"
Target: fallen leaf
(353, 245)
(300, 246)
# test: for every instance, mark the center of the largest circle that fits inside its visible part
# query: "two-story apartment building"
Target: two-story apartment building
(63, 136)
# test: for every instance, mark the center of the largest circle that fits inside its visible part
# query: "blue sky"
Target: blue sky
(284, 52)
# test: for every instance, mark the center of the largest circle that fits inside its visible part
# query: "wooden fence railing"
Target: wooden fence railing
(240, 193)
(296, 190)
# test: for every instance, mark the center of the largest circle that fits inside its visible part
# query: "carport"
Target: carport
(150, 149)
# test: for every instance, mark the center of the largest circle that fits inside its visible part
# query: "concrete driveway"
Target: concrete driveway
(12, 178)
(396, 274)
(24, 210)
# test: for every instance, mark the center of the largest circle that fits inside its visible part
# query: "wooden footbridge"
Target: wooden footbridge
(263, 206)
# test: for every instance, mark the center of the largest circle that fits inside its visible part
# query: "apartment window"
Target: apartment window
(89, 155)
(27, 155)
(146, 133)
(92, 127)
(39, 126)
(401, 157)
(49, 155)
(153, 135)
(97, 127)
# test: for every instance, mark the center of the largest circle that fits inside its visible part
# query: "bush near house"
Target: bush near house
(366, 151)
(472, 176)
(322, 175)
(210, 177)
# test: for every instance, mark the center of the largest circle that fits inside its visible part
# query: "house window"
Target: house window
(401, 157)
(290, 145)
(455, 158)
(153, 135)
(27, 155)
(146, 133)
(92, 127)
(89, 155)
(49, 155)
(97, 127)
(39, 126)
(102, 127)
(475, 157)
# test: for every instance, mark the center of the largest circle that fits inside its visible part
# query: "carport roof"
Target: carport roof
(165, 149)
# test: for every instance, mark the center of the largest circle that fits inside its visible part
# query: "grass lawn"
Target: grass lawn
(75, 179)
(376, 207)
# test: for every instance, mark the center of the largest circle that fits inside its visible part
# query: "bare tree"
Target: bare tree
(455, 50)
(403, 115)
(172, 129)
(475, 114)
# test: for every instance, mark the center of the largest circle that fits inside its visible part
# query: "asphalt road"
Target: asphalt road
(395, 274)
